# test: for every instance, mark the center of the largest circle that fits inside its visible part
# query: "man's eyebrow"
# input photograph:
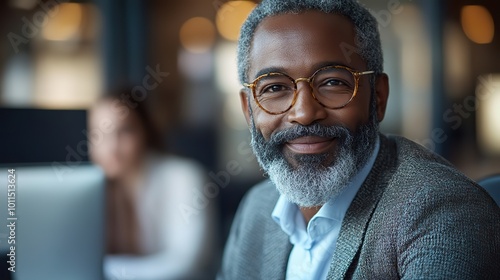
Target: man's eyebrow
(314, 68)
(269, 70)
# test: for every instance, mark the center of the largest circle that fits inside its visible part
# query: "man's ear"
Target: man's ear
(244, 105)
(382, 94)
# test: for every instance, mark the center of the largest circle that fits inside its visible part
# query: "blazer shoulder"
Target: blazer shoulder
(416, 165)
(429, 215)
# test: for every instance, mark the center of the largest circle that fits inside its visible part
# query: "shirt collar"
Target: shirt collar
(285, 212)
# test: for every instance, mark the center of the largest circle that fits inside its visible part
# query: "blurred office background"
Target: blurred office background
(442, 57)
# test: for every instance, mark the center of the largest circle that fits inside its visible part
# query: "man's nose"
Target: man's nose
(306, 109)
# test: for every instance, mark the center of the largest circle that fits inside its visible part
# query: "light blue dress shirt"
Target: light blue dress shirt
(313, 247)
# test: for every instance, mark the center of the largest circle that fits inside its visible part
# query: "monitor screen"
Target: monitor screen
(52, 224)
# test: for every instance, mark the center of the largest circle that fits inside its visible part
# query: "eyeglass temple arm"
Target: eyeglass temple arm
(364, 73)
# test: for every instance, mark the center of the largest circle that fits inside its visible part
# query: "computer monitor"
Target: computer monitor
(59, 230)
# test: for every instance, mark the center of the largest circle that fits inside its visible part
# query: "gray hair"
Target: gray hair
(367, 39)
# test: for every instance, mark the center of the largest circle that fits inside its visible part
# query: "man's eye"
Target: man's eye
(334, 82)
(275, 88)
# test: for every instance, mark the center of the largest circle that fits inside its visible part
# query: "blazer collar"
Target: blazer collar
(358, 215)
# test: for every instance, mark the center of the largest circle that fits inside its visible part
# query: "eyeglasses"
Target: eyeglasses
(333, 87)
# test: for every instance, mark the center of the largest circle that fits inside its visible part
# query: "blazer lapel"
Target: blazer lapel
(360, 211)
(276, 251)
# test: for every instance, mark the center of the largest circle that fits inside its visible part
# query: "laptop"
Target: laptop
(59, 222)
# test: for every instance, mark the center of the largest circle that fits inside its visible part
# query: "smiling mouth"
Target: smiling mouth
(310, 144)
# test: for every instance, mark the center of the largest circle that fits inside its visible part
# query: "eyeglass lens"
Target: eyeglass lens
(332, 87)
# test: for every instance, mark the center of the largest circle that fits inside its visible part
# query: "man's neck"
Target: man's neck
(309, 212)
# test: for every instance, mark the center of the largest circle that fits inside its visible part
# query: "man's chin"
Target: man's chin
(310, 180)
(307, 161)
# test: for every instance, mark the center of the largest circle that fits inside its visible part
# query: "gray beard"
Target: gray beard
(314, 180)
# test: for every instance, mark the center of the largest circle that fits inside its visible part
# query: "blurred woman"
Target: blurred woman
(153, 229)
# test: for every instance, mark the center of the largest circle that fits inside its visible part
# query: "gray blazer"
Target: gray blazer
(415, 217)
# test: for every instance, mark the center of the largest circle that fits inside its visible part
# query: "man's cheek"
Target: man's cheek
(266, 128)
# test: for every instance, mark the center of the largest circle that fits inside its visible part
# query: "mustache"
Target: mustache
(336, 131)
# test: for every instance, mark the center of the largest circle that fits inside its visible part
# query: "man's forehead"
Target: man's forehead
(305, 39)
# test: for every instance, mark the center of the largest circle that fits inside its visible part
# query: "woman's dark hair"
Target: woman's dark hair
(154, 141)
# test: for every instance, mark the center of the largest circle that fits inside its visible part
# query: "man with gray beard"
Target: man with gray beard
(342, 200)
(310, 183)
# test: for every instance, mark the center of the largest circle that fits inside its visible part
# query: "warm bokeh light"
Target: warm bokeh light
(478, 24)
(197, 35)
(415, 73)
(226, 76)
(231, 16)
(488, 118)
(64, 22)
(67, 83)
